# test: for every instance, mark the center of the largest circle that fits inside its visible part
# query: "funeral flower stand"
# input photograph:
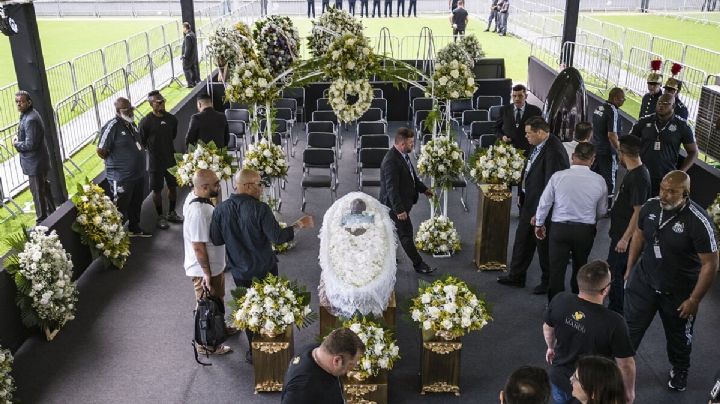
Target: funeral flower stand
(440, 364)
(493, 227)
(271, 357)
(370, 390)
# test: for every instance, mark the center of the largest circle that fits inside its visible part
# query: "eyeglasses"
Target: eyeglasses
(606, 286)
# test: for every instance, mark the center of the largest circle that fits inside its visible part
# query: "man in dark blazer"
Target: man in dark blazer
(190, 56)
(511, 124)
(399, 190)
(546, 157)
(208, 125)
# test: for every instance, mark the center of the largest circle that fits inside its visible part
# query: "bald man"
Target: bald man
(249, 229)
(678, 244)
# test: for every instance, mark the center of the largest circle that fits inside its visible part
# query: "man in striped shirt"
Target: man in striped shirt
(606, 133)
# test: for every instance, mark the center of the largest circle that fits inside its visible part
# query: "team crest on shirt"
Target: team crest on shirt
(678, 227)
(647, 125)
(672, 127)
(651, 217)
(578, 315)
(123, 133)
(296, 360)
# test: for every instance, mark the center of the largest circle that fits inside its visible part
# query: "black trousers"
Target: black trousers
(42, 196)
(412, 8)
(325, 4)
(618, 264)
(338, 4)
(524, 250)
(311, 7)
(641, 304)
(388, 6)
(364, 6)
(351, 6)
(458, 33)
(240, 282)
(192, 74)
(128, 197)
(407, 240)
(376, 5)
(568, 240)
(399, 4)
(606, 166)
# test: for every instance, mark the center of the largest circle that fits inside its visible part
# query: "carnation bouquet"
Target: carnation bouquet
(250, 83)
(381, 352)
(438, 236)
(454, 51)
(271, 305)
(42, 271)
(202, 156)
(498, 164)
(350, 57)
(7, 385)
(343, 91)
(448, 308)
(441, 158)
(332, 23)
(277, 41)
(472, 46)
(714, 211)
(453, 80)
(100, 224)
(267, 158)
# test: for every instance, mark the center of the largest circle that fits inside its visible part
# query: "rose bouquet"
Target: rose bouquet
(437, 235)
(498, 164)
(341, 89)
(43, 275)
(332, 23)
(278, 42)
(441, 158)
(714, 211)
(100, 224)
(449, 308)
(250, 83)
(454, 51)
(452, 81)
(202, 156)
(267, 158)
(350, 57)
(7, 384)
(472, 46)
(381, 351)
(271, 305)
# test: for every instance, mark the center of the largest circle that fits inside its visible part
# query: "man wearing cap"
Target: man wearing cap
(673, 85)
(654, 83)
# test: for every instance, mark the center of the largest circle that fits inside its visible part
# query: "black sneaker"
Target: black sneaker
(678, 380)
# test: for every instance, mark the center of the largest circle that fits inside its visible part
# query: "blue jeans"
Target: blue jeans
(560, 396)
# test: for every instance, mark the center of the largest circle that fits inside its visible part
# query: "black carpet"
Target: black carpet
(130, 342)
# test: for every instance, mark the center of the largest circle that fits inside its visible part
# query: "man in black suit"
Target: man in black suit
(190, 56)
(511, 124)
(399, 189)
(547, 156)
(208, 125)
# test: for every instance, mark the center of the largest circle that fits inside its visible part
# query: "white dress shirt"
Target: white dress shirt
(575, 195)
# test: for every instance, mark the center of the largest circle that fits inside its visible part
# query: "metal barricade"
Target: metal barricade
(117, 55)
(139, 44)
(8, 109)
(636, 69)
(703, 58)
(593, 61)
(114, 84)
(61, 78)
(88, 67)
(692, 81)
(77, 122)
(672, 49)
(547, 49)
(140, 79)
(163, 66)
(637, 39)
(11, 173)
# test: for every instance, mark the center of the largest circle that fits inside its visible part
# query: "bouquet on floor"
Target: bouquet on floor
(350, 57)
(202, 156)
(343, 91)
(498, 164)
(42, 271)
(714, 212)
(282, 248)
(441, 158)
(452, 81)
(7, 384)
(330, 25)
(250, 83)
(278, 42)
(100, 224)
(381, 351)
(438, 236)
(472, 46)
(271, 305)
(454, 51)
(267, 158)
(448, 308)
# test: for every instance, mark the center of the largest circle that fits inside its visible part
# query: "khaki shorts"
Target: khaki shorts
(217, 283)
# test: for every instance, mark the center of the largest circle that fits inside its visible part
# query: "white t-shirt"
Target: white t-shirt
(196, 229)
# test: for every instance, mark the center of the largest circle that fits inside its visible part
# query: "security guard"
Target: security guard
(388, 6)
(606, 134)
(654, 83)
(661, 135)
(677, 242)
(376, 5)
(364, 6)
(672, 87)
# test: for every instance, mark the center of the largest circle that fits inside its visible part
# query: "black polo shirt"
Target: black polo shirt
(605, 119)
(670, 136)
(306, 382)
(158, 135)
(634, 191)
(685, 233)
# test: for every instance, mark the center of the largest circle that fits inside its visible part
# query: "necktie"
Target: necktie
(518, 117)
(409, 164)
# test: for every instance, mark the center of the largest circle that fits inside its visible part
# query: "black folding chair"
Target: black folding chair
(370, 159)
(298, 94)
(487, 101)
(318, 159)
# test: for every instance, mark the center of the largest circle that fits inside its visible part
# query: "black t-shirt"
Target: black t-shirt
(673, 134)
(453, 5)
(583, 328)
(460, 16)
(158, 135)
(685, 233)
(308, 383)
(605, 119)
(634, 191)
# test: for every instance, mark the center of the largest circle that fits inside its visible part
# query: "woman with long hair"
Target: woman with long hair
(597, 380)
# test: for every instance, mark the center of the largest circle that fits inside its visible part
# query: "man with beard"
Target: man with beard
(671, 265)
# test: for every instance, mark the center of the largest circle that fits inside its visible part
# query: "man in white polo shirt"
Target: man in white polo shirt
(204, 262)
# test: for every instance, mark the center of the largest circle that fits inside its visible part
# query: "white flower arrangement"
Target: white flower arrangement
(282, 248)
(453, 80)
(454, 51)
(498, 164)
(341, 89)
(267, 158)
(250, 83)
(100, 224)
(714, 211)
(278, 42)
(381, 350)
(202, 157)
(472, 46)
(437, 235)
(271, 305)
(349, 57)
(228, 47)
(7, 384)
(441, 158)
(448, 308)
(43, 274)
(332, 23)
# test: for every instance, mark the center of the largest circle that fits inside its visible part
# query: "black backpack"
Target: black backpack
(209, 324)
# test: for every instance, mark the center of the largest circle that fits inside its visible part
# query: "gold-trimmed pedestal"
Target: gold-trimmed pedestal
(373, 390)
(271, 356)
(493, 227)
(329, 322)
(440, 364)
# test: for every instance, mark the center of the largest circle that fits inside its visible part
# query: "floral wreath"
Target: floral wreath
(453, 80)
(334, 22)
(454, 51)
(228, 47)
(340, 89)
(277, 41)
(350, 57)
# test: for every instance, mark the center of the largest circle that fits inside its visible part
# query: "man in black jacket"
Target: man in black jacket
(511, 124)
(208, 125)
(190, 56)
(547, 156)
(399, 189)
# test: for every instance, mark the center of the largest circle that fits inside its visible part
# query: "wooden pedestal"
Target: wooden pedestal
(328, 322)
(493, 227)
(271, 356)
(440, 365)
(371, 390)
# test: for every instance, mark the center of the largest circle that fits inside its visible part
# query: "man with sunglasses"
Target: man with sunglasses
(580, 325)
(158, 131)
